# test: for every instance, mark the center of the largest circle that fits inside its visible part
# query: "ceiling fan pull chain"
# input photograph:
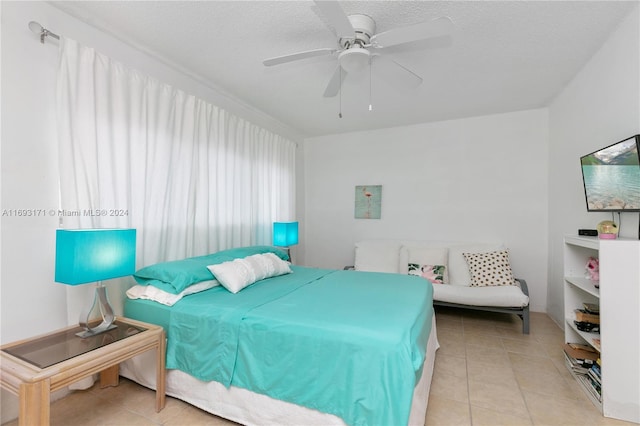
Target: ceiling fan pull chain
(340, 100)
(370, 83)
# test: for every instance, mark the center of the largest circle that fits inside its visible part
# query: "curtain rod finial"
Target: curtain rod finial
(41, 31)
(36, 27)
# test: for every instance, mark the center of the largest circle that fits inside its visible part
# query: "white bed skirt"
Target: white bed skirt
(249, 408)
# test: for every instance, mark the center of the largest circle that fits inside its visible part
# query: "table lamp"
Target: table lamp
(92, 255)
(285, 234)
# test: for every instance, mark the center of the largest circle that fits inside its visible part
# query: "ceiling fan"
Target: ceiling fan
(358, 45)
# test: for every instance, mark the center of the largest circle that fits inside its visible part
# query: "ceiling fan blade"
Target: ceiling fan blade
(336, 17)
(435, 28)
(297, 56)
(334, 84)
(395, 73)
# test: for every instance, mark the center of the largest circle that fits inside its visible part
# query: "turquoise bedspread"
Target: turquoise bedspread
(342, 342)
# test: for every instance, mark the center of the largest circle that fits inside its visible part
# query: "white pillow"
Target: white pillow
(377, 256)
(424, 256)
(149, 292)
(237, 274)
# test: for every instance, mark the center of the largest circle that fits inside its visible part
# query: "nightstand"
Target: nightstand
(33, 368)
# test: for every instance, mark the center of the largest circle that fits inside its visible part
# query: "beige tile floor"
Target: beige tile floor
(487, 373)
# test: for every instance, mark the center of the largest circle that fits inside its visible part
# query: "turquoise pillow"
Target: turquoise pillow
(174, 276)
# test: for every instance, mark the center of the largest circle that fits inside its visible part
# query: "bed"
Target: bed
(311, 346)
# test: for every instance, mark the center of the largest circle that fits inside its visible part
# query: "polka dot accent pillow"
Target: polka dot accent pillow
(489, 269)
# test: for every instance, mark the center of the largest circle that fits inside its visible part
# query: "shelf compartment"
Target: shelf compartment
(584, 382)
(583, 241)
(584, 284)
(585, 335)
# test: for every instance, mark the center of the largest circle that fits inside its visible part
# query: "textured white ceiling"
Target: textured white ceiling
(503, 55)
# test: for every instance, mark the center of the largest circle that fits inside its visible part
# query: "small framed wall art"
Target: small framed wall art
(368, 201)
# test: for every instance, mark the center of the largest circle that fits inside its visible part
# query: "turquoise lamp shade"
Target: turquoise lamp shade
(285, 234)
(89, 255)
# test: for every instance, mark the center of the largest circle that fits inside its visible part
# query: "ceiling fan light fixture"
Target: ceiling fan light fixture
(354, 59)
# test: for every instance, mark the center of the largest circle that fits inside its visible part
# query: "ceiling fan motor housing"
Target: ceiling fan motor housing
(364, 27)
(355, 57)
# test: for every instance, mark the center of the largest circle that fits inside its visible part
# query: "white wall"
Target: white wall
(600, 106)
(31, 302)
(476, 179)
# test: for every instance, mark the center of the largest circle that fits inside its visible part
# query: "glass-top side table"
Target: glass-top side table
(51, 349)
(33, 368)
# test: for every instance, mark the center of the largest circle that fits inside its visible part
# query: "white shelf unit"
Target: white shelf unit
(619, 301)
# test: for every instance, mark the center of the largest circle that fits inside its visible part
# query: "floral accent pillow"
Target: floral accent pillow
(490, 269)
(433, 273)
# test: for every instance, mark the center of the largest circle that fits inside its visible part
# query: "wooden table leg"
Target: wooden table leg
(110, 376)
(34, 403)
(160, 373)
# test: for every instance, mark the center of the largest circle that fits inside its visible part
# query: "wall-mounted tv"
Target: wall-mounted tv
(611, 177)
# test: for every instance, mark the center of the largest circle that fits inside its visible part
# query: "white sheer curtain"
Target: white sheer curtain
(189, 176)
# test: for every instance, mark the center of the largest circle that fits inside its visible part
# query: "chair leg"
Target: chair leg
(525, 320)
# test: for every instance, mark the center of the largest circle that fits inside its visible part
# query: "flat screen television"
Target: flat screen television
(611, 177)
